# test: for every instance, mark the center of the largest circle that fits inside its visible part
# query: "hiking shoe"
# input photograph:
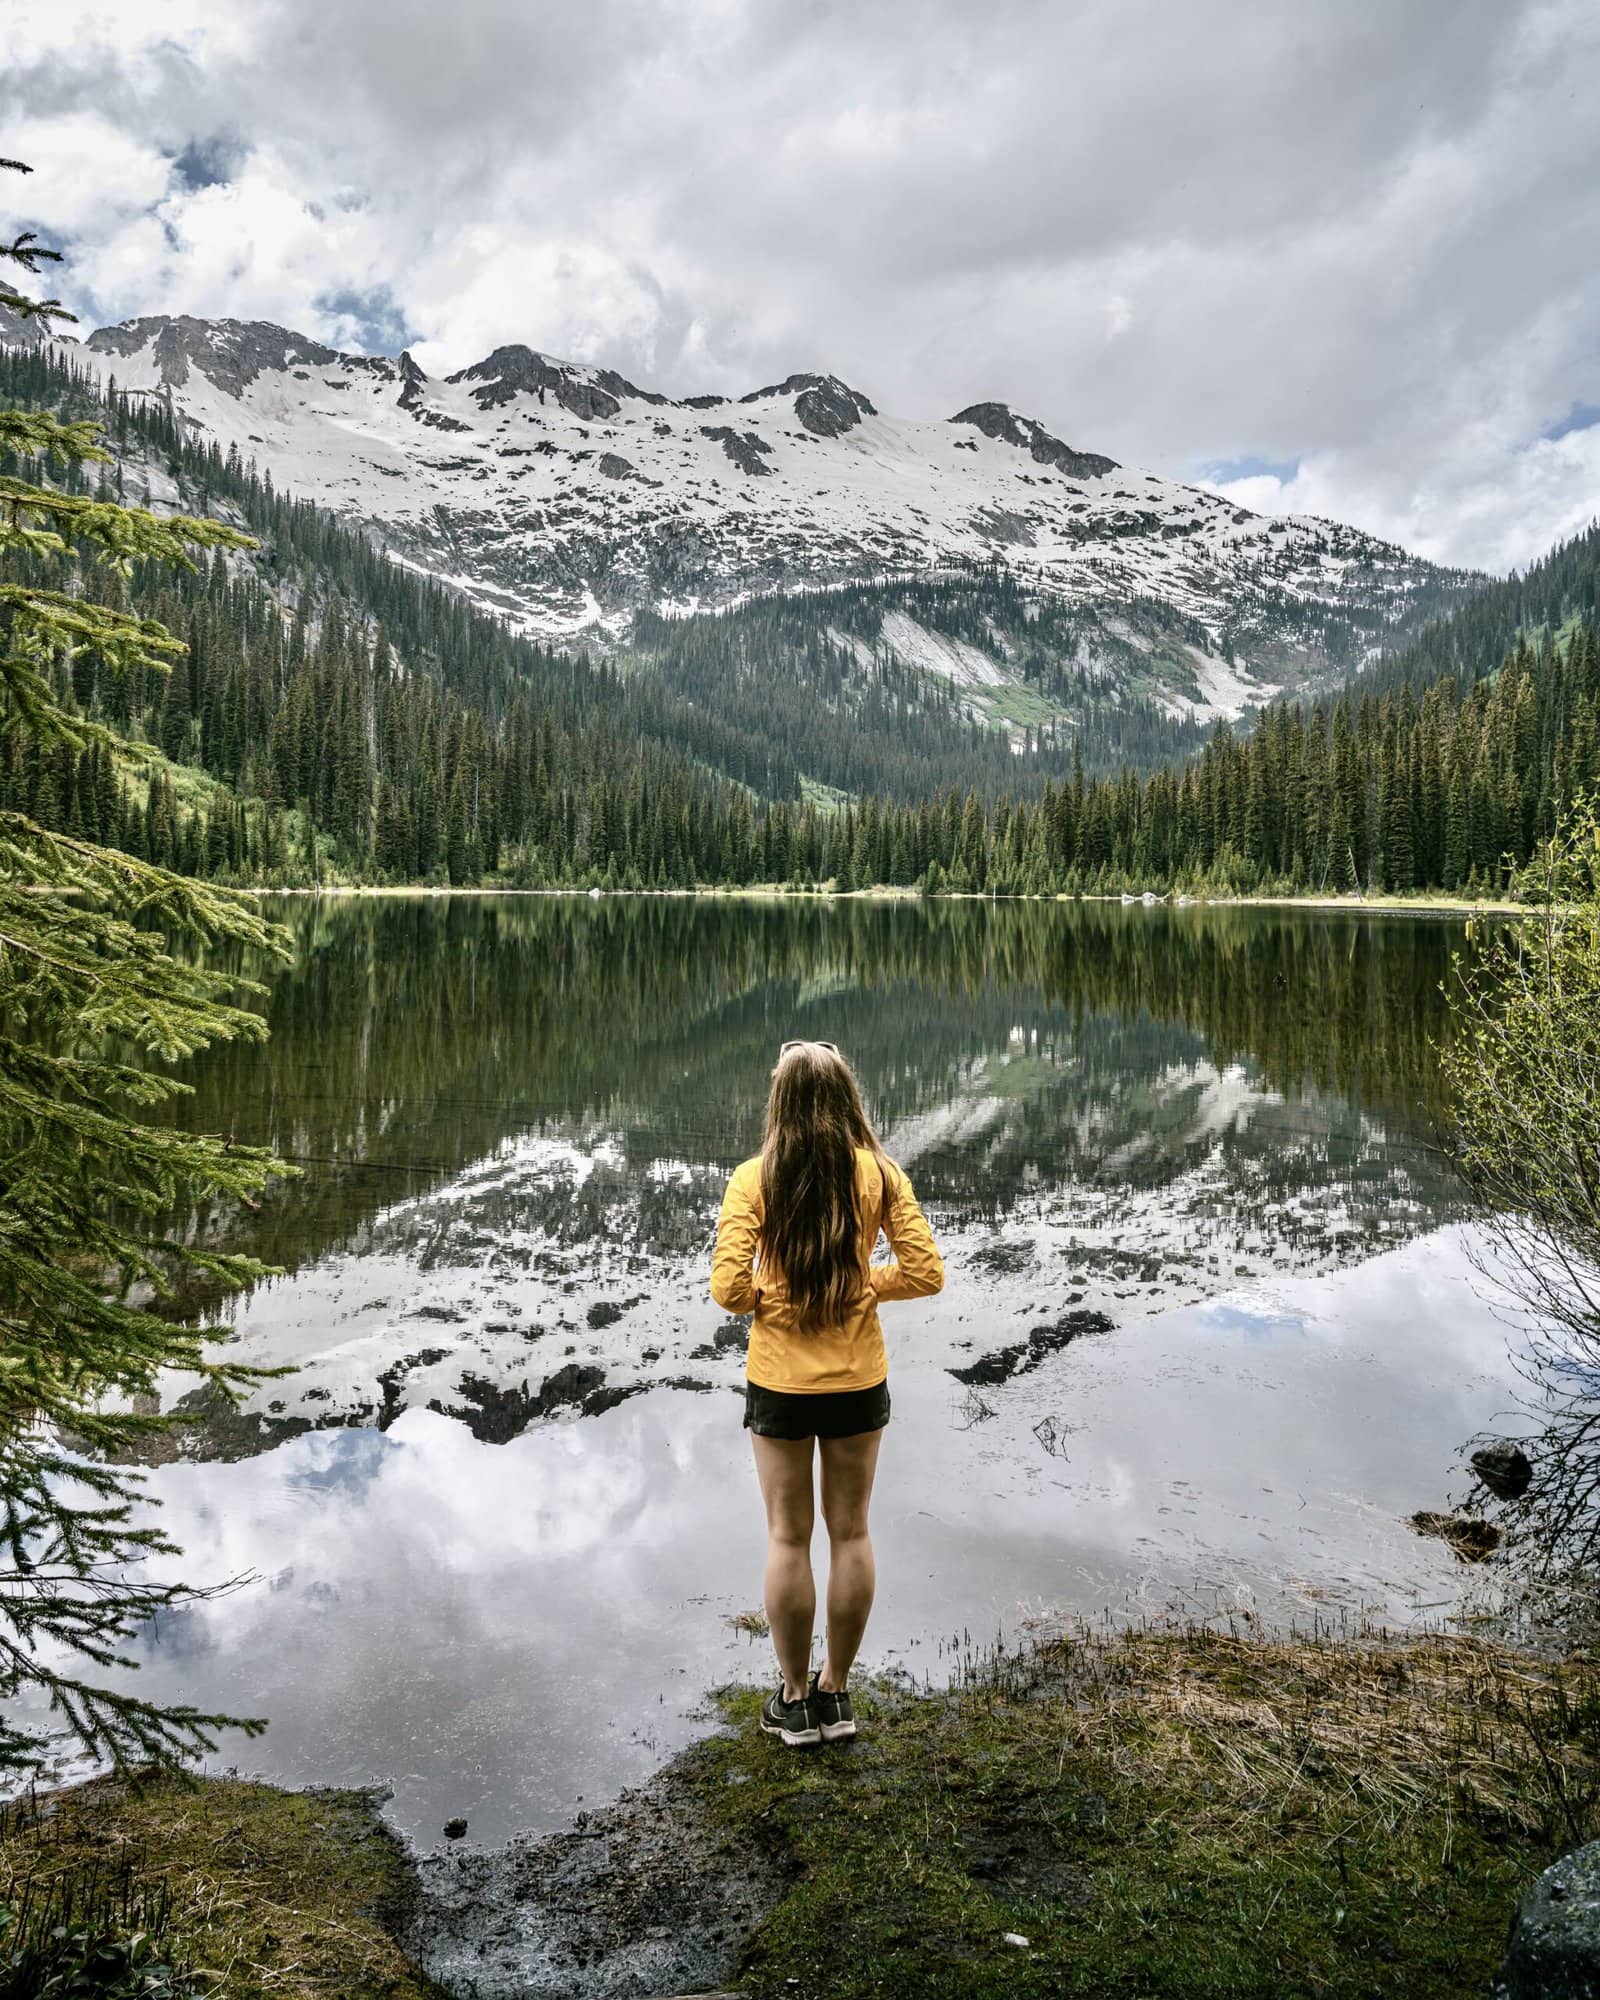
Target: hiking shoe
(794, 1722)
(835, 1717)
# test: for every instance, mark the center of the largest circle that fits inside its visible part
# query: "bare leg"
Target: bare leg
(848, 1465)
(783, 1466)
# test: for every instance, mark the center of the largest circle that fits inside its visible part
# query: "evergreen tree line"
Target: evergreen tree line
(1388, 792)
(1452, 792)
(814, 674)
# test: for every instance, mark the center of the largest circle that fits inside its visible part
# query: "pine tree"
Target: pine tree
(85, 973)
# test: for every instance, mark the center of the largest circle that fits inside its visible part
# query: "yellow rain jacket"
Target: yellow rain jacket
(850, 1355)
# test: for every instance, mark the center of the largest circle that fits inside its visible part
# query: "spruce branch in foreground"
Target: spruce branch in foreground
(93, 993)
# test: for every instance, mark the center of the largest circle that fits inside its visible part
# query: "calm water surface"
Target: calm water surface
(501, 1516)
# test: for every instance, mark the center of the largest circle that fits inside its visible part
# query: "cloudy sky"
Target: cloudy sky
(1337, 256)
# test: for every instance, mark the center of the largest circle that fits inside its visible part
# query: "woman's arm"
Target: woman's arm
(916, 1270)
(733, 1283)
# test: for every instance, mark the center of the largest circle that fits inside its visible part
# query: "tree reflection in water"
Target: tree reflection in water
(413, 1036)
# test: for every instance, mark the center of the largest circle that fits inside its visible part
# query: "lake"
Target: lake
(1208, 1338)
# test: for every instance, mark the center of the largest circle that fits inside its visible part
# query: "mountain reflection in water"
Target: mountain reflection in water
(505, 1497)
(413, 1036)
(516, 1115)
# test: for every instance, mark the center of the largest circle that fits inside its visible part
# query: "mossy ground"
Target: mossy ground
(268, 1892)
(1170, 1815)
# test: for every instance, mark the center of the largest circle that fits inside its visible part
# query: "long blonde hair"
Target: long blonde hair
(811, 1229)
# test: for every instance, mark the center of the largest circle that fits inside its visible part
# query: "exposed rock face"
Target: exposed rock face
(1554, 1950)
(743, 447)
(412, 380)
(413, 400)
(229, 352)
(1000, 421)
(619, 386)
(510, 371)
(825, 405)
(16, 331)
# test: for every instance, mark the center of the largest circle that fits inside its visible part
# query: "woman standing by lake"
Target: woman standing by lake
(794, 1248)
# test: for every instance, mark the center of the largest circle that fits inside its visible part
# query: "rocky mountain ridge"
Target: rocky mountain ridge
(567, 499)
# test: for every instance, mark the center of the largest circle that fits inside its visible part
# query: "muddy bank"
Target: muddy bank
(644, 1896)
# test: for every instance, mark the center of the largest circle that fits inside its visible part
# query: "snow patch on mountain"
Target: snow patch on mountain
(1225, 692)
(565, 499)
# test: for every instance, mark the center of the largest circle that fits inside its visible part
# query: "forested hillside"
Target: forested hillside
(338, 717)
(866, 687)
(1472, 640)
(329, 692)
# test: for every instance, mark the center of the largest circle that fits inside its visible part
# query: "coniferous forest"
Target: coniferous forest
(338, 719)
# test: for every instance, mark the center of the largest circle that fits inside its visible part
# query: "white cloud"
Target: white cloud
(1357, 238)
(1475, 510)
(130, 176)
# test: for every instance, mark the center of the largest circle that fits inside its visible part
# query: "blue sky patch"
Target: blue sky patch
(1579, 418)
(1224, 470)
(207, 163)
(380, 324)
(1251, 1324)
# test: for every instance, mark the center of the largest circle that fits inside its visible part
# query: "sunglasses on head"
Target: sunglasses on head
(831, 1047)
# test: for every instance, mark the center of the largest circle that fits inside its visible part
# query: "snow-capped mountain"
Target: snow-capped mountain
(567, 499)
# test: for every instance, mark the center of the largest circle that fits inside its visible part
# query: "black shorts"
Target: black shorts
(836, 1413)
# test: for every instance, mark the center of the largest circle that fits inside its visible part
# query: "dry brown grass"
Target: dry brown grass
(1396, 1727)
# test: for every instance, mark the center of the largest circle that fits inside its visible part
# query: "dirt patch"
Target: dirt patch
(1018, 1858)
(640, 1897)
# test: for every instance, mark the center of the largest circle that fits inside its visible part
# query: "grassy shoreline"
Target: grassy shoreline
(1194, 1814)
(1178, 1815)
(243, 1890)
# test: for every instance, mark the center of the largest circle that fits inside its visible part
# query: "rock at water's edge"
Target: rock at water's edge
(1554, 1951)
(1505, 1469)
